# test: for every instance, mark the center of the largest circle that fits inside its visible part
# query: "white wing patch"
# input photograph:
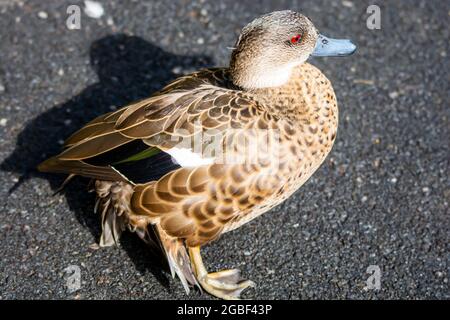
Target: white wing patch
(186, 158)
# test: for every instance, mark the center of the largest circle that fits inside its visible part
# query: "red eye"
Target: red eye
(296, 39)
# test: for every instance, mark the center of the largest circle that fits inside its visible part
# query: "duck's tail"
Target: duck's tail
(178, 259)
(113, 203)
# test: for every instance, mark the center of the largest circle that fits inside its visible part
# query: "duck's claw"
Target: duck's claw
(226, 284)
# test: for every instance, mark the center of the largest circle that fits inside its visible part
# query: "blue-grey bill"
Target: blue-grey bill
(327, 47)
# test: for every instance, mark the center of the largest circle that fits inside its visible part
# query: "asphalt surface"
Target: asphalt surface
(381, 197)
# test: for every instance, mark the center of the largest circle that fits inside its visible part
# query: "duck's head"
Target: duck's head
(271, 45)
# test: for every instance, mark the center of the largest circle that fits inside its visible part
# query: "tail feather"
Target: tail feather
(81, 168)
(113, 200)
(178, 259)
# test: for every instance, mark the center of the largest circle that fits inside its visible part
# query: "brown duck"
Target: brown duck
(213, 149)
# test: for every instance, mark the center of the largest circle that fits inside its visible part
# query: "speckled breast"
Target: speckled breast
(307, 119)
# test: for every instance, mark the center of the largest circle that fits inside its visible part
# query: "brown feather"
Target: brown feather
(80, 168)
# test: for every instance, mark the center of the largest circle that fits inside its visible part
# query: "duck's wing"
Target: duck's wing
(133, 144)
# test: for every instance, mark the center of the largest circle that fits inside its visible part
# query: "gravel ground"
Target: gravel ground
(381, 198)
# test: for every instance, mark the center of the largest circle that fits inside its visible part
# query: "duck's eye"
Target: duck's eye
(296, 39)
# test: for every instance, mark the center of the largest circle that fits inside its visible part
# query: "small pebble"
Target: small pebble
(93, 9)
(347, 4)
(200, 41)
(42, 15)
(376, 163)
(3, 122)
(176, 70)
(364, 81)
(393, 95)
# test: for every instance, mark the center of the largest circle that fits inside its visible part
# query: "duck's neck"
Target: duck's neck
(254, 78)
(248, 74)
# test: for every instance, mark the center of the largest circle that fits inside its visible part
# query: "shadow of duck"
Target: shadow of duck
(129, 68)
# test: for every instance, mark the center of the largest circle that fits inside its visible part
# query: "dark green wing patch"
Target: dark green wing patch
(137, 161)
(150, 152)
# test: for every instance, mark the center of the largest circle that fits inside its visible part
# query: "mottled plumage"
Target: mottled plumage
(132, 153)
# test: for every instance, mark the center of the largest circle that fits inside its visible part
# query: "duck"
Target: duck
(213, 149)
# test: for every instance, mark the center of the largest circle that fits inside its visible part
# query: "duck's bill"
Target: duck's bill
(327, 47)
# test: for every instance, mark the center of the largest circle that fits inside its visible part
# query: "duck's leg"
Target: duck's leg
(226, 284)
